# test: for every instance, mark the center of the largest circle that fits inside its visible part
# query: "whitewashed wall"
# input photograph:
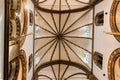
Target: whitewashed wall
(104, 43)
(1, 37)
(28, 45)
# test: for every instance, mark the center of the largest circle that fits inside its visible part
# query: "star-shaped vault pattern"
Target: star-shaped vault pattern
(63, 43)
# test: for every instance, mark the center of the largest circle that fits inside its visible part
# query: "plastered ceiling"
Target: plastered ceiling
(63, 39)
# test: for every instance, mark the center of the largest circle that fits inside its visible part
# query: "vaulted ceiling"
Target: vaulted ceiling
(63, 39)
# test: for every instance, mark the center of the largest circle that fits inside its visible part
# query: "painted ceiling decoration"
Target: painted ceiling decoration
(63, 39)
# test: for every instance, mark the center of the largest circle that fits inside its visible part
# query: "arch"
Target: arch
(23, 58)
(88, 6)
(63, 11)
(45, 76)
(14, 69)
(64, 62)
(113, 23)
(111, 64)
(75, 75)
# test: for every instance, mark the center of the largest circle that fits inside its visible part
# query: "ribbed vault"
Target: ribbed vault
(64, 6)
(82, 71)
(63, 39)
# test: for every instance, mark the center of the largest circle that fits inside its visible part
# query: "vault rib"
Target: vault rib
(75, 53)
(53, 72)
(78, 37)
(76, 21)
(53, 51)
(45, 76)
(67, 17)
(65, 23)
(46, 37)
(51, 60)
(59, 60)
(77, 45)
(77, 28)
(76, 74)
(53, 16)
(53, 4)
(45, 21)
(45, 29)
(66, 50)
(82, 2)
(54, 22)
(59, 40)
(64, 72)
(47, 51)
(44, 45)
(59, 16)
